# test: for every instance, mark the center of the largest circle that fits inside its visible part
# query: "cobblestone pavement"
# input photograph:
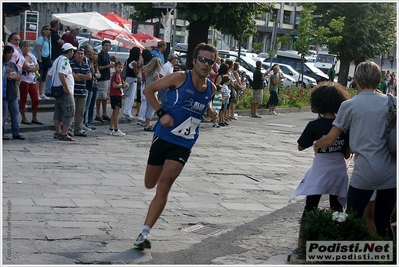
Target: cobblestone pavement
(84, 202)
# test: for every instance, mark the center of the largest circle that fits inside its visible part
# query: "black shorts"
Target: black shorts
(162, 150)
(116, 101)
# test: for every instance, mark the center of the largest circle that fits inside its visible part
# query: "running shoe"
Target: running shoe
(142, 241)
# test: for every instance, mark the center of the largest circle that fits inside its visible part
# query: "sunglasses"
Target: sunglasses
(47, 29)
(204, 59)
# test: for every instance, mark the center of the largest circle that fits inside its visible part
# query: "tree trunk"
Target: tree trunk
(344, 71)
(194, 38)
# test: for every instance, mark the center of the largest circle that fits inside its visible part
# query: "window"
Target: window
(287, 17)
(297, 19)
(274, 15)
(325, 58)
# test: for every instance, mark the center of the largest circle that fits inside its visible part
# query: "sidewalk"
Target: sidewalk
(84, 202)
(46, 107)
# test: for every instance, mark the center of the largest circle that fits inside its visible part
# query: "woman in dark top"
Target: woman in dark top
(133, 68)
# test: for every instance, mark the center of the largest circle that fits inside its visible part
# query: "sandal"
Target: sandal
(105, 118)
(19, 137)
(5, 137)
(65, 137)
(99, 119)
(37, 122)
(56, 136)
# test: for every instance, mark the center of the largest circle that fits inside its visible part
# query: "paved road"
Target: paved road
(84, 202)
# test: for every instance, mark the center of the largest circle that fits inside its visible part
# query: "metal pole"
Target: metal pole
(174, 30)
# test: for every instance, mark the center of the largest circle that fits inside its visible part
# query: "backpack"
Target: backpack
(391, 124)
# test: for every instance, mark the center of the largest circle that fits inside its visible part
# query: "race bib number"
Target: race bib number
(187, 128)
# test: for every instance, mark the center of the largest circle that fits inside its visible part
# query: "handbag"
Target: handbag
(55, 91)
(47, 62)
(390, 129)
(237, 86)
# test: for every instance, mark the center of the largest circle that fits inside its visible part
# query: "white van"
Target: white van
(181, 47)
(324, 61)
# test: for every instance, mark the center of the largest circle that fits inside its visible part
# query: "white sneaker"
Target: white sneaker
(44, 97)
(85, 128)
(118, 133)
(274, 113)
(127, 117)
(110, 132)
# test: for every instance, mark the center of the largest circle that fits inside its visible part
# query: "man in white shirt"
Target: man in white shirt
(64, 108)
(167, 69)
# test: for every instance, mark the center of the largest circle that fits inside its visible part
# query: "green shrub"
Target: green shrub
(319, 225)
(288, 97)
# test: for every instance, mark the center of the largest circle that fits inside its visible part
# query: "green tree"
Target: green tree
(285, 39)
(307, 31)
(258, 46)
(369, 31)
(232, 18)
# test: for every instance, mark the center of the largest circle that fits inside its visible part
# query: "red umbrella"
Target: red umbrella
(122, 22)
(126, 39)
(146, 39)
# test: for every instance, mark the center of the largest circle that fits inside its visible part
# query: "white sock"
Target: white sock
(146, 228)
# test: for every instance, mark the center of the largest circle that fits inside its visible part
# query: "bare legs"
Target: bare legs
(163, 177)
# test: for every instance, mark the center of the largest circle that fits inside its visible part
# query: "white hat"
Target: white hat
(68, 46)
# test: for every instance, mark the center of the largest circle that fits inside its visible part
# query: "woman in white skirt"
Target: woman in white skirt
(328, 173)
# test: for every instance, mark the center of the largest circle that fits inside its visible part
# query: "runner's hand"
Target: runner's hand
(166, 120)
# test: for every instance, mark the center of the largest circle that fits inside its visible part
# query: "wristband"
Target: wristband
(160, 112)
(314, 145)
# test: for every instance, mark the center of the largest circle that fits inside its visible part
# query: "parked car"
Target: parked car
(93, 42)
(243, 50)
(254, 56)
(294, 60)
(308, 82)
(247, 62)
(263, 55)
(310, 70)
(245, 65)
(181, 47)
(119, 52)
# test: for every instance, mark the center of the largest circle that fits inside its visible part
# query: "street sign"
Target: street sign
(166, 5)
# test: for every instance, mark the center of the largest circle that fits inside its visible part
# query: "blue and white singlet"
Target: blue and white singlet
(186, 106)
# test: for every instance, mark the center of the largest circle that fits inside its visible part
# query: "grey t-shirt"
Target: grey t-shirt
(365, 116)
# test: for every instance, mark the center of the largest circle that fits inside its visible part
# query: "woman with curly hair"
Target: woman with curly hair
(328, 173)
